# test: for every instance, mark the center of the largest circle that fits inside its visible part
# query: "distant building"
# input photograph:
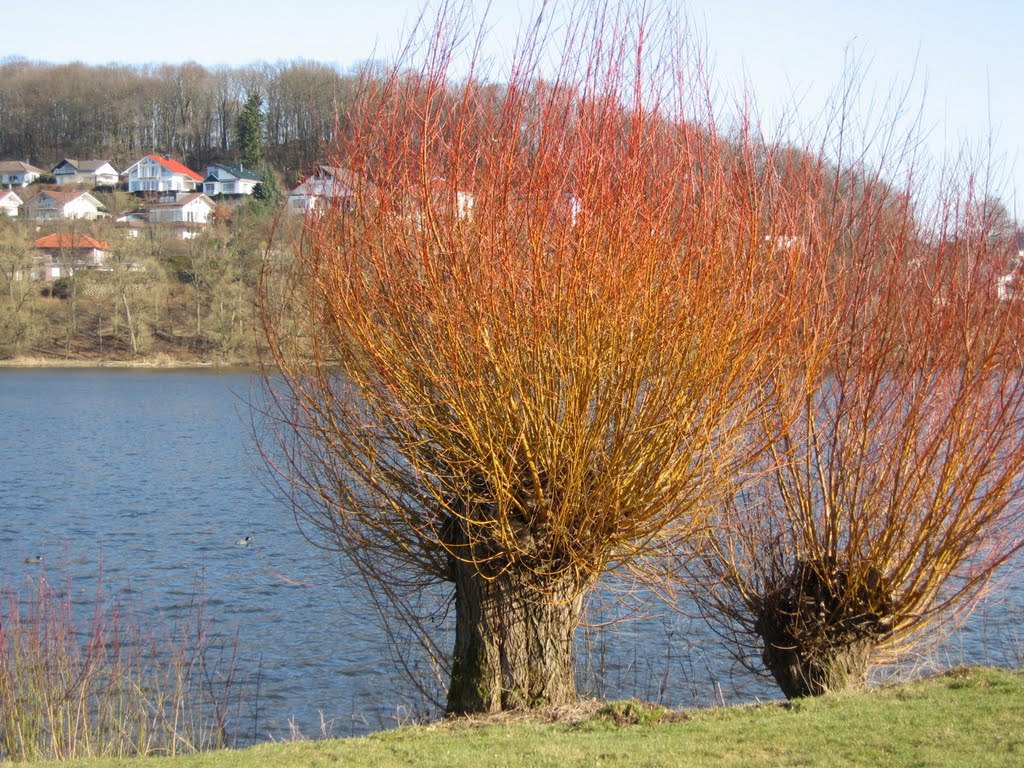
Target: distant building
(60, 254)
(95, 173)
(326, 183)
(161, 174)
(443, 193)
(14, 173)
(188, 214)
(132, 222)
(195, 208)
(9, 202)
(230, 180)
(50, 204)
(1010, 287)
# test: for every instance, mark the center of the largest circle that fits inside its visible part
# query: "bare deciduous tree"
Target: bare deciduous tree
(15, 285)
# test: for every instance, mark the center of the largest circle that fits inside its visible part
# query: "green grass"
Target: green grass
(967, 717)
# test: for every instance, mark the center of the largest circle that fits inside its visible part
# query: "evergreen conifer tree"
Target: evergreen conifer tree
(250, 131)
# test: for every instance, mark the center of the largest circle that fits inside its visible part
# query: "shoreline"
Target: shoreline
(158, 362)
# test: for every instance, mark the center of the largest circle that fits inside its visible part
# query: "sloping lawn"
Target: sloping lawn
(967, 717)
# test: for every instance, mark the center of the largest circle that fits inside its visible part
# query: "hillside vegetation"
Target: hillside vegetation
(158, 299)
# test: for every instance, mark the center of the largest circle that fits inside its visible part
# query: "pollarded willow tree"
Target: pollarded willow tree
(882, 510)
(520, 345)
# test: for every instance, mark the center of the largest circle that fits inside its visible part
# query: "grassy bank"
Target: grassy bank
(967, 717)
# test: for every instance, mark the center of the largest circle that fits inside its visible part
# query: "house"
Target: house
(189, 213)
(443, 193)
(230, 180)
(14, 173)
(154, 173)
(60, 254)
(195, 208)
(324, 184)
(1009, 286)
(95, 173)
(132, 222)
(50, 204)
(9, 203)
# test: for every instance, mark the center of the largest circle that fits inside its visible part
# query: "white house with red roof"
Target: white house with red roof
(154, 173)
(50, 204)
(9, 202)
(62, 253)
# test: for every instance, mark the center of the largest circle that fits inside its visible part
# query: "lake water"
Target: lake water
(146, 480)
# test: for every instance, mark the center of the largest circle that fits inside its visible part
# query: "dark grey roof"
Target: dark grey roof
(238, 171)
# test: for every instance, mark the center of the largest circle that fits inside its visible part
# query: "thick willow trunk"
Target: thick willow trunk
(802, 672)
(820, 625)
(513, 641)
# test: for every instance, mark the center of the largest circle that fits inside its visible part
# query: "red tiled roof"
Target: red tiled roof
(175, 167)
(68, 240)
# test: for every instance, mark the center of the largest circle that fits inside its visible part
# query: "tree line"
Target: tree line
(187, 111)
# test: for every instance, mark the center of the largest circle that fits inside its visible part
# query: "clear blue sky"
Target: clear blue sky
(964, 57)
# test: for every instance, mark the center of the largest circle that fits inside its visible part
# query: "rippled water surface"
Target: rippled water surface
(148, 479)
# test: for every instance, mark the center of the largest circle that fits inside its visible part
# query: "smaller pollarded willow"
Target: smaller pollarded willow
(521, 346)
(888, 501)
